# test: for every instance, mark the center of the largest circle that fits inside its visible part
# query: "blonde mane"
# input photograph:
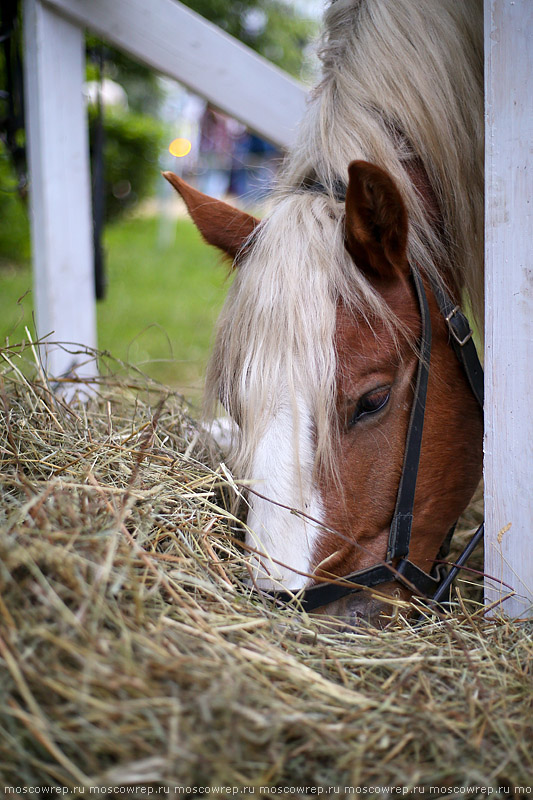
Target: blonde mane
(401, 81)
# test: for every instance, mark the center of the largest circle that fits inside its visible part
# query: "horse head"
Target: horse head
(317, 366)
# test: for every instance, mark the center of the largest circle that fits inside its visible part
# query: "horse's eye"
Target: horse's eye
(371, 403)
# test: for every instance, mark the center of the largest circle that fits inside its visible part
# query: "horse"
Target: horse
(318, 345)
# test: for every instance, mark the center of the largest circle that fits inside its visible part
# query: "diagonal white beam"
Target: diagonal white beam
(173, 40)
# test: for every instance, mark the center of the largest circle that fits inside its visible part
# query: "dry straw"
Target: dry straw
(133, 654)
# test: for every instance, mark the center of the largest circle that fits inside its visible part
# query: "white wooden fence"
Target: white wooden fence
(170, 39)
(176, 42)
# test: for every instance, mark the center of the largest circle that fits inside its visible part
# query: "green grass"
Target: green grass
(16, 304)
(161, 303)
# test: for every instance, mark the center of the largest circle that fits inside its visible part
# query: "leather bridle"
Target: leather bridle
(397, 566)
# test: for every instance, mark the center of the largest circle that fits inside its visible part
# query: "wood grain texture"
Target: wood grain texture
(175, 41)
(509, 302)
(58, 154)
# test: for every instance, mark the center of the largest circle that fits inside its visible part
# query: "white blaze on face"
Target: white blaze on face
(282, 471)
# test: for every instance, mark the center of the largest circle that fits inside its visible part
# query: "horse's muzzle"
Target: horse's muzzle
(359, 608)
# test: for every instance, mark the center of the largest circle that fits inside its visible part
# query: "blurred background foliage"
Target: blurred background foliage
(14, 224)
(132, 144)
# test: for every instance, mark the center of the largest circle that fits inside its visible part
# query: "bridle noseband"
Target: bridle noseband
(397, 566)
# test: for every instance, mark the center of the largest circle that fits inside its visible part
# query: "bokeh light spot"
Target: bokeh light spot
(180, 147)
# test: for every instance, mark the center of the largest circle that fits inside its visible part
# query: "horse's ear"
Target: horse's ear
(219, 223)
(376, 222)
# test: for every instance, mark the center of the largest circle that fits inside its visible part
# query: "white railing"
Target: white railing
(178, 43)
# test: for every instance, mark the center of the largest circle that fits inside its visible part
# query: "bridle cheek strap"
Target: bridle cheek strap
(402, 520)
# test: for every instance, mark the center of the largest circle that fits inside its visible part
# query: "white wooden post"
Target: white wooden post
(509, 303)
(56, 124)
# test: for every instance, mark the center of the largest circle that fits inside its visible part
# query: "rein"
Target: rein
(397, 565)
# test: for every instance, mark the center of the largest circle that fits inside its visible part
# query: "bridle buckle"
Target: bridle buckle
(458, 326)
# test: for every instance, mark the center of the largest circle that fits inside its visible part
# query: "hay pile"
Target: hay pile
(133, 657)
